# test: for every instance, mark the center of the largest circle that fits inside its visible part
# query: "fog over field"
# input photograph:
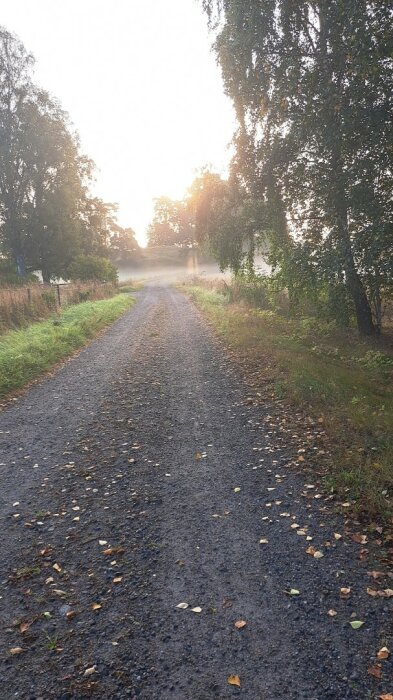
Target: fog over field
(171, 263)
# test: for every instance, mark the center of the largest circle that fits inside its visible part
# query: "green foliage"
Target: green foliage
(171, 225)
(47, 216)
(27, 353)
(311, 85)
(92, 267)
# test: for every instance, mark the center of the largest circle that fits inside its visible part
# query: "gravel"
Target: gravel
(120, 500)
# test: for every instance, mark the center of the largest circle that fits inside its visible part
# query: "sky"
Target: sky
(141, 85)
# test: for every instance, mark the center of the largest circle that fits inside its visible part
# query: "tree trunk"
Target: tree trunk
(337, 197)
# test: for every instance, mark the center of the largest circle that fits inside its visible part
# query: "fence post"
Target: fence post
(58, 294)
(29, 295)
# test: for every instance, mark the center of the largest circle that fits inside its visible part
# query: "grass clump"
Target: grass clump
(340, 380)
(25, 354)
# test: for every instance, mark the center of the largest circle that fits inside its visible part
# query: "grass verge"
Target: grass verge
(339, 381)
(25, 354)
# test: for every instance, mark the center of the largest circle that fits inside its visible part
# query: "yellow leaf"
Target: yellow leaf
(234, 680)
(56, 567)
(240, 624)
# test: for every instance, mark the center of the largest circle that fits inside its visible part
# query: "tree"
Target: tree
(92, 267)
(171, 225)
(16, 96)
(312, 84)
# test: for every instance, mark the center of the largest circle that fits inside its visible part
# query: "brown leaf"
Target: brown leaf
(240, 624)
(383, 653)
(375, 574)
(360, 539)
(386, 696)
(345, 592)
(375, 671)
(24, 626)
(56, 567)
(14, 651)
(96, 606)
(234, 680)
(311, 550)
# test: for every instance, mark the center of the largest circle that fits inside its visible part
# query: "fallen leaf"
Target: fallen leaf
(118, 579)
(240, 624)
(337, 536)
(383, 653)
(198, 455)
(386, 696)
(16, 650)
(102, 542)
(372, 592)
(96, 606)
(234, 680)
(311, 550)
(345, 592)
(375, 671)
(237, 489)
(263, 541)
(318, 555)
(196, 610)
(292, 591)
(90, 671)
(356, 624)
(182, 606)
(56, 567)
(24, 626)
(332, 612)
(375, 574)
(360, 539)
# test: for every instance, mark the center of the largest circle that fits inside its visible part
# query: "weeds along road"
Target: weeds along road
(137, 478)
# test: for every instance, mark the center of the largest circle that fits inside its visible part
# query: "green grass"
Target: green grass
(340, 380)
(25, 354)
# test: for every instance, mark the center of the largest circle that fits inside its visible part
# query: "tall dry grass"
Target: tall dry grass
(20, 306)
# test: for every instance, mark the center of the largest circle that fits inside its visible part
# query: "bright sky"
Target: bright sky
(142, 87)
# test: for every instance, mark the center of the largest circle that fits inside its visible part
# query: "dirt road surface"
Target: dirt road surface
(138, 478)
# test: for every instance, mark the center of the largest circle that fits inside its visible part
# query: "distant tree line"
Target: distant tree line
(48, 218)
(311, 180)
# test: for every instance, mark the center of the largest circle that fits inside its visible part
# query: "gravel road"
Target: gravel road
(139, 477)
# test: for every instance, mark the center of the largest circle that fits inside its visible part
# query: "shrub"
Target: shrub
(92, 267)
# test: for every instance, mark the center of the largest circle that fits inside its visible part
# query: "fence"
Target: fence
(21, 305)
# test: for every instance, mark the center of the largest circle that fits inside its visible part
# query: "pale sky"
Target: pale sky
(142, 88)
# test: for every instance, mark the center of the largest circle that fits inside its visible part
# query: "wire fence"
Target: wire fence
(21, 305)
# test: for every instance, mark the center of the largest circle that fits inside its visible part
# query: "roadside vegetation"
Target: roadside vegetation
(27, 353)
(20, 306)
(339, 380)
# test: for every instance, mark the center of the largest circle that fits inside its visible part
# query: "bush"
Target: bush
(92, 267)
